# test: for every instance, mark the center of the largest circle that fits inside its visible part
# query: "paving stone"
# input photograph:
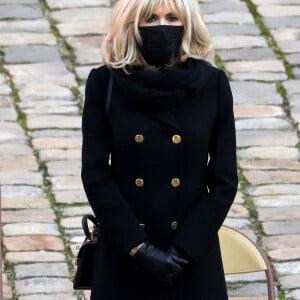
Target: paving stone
(28, 215)
(281, 242)
(295, 294)
(247, 54)
(66, 182)
(4, 90)
(257, 111)
(229, 18)
(247, 277)
(70, 197)
(297, 73)
(254, 66)
(33, 243)
(47, 104)
(266, 138)
(286, 2)
(56, 74)
(15, 149)
(28, 228)
(238, 211)
(288, 268)
(272, 164)
(44, 91)
(29, 256)
(277, 201)
(290, 282)
(259, 76)
(265, 177)
(18, 163)
(237, 223)
(281, 227)
(64, 110)
(57, 133)
(41, 270)
(48, 297)
(284, 34)
(278, 213)
(24, 202)
(289, 46)
(57, 155)
(44, 285)
(11, 136)
(56, 143)
(6, 288)
(32, 53)
(212, 7)
(84, 210)
(85, 42)
(285, 254)
(39, 25)
(21, 191)
(19, 2)
(88, 56)
(238, 41)
(71, 223)
(265, 93)
(276, 189)
(8, 114)
(64, 168)
(88, 27)
(53, 121)
(279, 10)
(282, 22)
(292, 86)
(20, 12)
(263, 123)
(26, 38)
(5, 101)
(269, 153)
(82, 14)
(21, 177)
(250, 290)
(54, 4)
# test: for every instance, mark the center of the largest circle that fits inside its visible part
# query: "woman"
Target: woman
(170, 133)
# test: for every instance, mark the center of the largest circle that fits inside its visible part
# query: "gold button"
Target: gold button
(175, 182)
(174, 225)
(176, 139)
(139, 138)
(139, 182)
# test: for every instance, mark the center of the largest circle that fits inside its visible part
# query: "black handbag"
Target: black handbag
(85, 257)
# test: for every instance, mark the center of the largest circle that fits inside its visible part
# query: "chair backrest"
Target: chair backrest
(241, 255)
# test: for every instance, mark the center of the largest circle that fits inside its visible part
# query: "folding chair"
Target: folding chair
(241, 255)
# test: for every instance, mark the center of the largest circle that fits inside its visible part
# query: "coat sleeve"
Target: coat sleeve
(200, 226)
(113, 212)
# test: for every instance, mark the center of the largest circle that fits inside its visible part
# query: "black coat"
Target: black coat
(162, 129)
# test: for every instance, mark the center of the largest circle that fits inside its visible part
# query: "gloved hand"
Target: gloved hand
(161, 266)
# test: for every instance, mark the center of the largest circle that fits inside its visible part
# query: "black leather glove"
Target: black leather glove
(161, 266)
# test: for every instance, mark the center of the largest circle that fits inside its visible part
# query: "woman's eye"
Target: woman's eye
(151, 19)
(172, 18)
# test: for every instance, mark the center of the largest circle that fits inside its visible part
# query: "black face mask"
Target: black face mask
(161, 44)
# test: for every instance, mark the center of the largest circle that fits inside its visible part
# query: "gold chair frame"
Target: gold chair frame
(241, 255)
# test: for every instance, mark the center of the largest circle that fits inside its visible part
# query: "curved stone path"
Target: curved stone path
(47, 48)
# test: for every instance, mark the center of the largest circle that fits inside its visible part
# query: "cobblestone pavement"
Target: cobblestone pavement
(47, 48)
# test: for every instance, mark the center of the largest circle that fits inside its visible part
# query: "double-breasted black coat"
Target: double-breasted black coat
(172, 177)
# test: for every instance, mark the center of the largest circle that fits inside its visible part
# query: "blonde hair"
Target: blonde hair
(120, 47)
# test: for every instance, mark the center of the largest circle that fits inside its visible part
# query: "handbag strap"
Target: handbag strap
(108, 97)
(85, 225)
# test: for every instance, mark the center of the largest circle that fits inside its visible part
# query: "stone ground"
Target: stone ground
(47, 48)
